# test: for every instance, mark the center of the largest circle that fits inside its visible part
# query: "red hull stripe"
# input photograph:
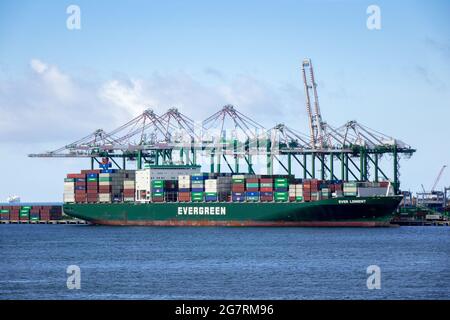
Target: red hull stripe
(235, 223)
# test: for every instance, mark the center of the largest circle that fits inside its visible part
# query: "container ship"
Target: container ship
(180, 195)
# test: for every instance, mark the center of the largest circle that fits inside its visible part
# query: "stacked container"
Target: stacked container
(34, 213)
(350, 189)
(128, 190)
(299, 192)
(266, 189)
(4, 214)
(69, 190)
(281, 189)
(14, 213)
(292, 192)
(170, 190)
(325, 193)
(252, 189)
(157, 189)
(92, 187)
(224, 188)
(50, 213)
(184, 183)
(238, 188)
(197, 182)
(211, 190)
(80, 188)
(24, 213)
(104, 187)
(197, 187)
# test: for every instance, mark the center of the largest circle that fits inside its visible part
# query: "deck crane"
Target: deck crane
(316, 125)
(438, 177)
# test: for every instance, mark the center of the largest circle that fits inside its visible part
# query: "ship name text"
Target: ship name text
(218, 211)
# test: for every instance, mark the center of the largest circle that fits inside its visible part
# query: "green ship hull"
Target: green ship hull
(336, 212)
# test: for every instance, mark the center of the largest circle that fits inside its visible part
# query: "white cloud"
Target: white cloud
(38, 66)
(50, 106)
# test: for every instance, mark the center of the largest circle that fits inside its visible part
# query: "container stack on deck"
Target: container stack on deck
(184, 188)
(30, 213)
(211, 190)
(157, 188)
(197, 187)
(281, 190)
(266, 189)
(110, 185)
(252, 188)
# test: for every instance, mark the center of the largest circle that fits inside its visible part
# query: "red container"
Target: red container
(266, 180)
(76, 175)
(266, 189)
(252, 180)
(128, 193)
(94, 192)
(238, 188)
(90, 171)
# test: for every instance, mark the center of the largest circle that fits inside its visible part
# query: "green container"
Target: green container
(237, 181)
(102, 179)
(26, 207)
(280, 180)
(252, 198)
(252, 185)
(158, 194)
(34, 218)
(69, 180)
(281, 195)
(298, 198)
(210, 194)
(4, 211)
(24, 215)
(27, 211)
(92, 180)
(197, 194)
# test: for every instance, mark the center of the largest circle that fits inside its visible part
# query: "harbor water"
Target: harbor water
(223, 263)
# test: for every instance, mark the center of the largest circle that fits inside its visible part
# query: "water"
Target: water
(223, 263)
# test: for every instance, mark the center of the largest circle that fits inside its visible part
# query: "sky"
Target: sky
(59, 84)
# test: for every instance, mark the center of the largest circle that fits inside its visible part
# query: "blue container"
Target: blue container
(197, 178)
(80, 188)
(184, 190)
(210, 198)
(238, 194)
(238, 199)
(267, 194)
(157, 190)
(92, 175)
(197, 189)
(80, 180)
(252, 194)
(109, 171)
(281, 189)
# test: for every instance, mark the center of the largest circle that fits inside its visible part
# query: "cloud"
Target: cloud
(51, 106)
(38, 66)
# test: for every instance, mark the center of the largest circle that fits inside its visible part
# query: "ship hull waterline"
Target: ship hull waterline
(336, 212)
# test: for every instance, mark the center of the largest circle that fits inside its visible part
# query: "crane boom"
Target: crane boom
(316, 125)
(438, 177)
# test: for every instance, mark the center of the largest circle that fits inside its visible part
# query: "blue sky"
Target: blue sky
(57, 84)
